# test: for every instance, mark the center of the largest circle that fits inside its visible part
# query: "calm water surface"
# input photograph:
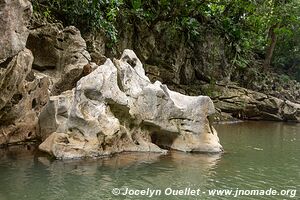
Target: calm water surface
(259, 155)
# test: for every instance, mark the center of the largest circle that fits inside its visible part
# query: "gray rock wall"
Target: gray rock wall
(22, 92)
(14, 19)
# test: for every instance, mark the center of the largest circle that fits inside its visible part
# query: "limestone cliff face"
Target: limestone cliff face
(60, 53)
(116, 108)
(22, 92)
(14, 19)
(55, 62)
(22, 98)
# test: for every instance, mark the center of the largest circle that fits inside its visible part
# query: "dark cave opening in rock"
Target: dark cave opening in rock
(163, 139)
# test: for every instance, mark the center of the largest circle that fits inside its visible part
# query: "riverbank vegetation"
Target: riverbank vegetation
(254, 31)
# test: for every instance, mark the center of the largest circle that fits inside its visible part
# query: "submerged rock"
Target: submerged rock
(116, 108)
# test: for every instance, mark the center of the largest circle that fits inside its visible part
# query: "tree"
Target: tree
(281, 15)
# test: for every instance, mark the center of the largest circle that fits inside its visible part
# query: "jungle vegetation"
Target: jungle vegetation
(268, 30)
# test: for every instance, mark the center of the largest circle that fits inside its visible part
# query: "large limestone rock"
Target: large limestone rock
(60, 53)
(22, 96)
(116, 108)
(23, 93)
(14, 19)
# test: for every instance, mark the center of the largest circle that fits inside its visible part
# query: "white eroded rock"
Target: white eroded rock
(116, 108)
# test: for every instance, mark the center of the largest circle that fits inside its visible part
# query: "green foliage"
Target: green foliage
(87, 15)
(287, 52)
(211, 90)
(284, 78)
(243, 24)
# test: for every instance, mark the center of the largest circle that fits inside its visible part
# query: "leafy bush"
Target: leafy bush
(87, 15)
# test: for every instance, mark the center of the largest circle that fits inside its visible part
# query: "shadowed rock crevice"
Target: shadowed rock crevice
(162, 139)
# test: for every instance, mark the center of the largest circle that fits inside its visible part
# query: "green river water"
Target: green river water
(259, 157)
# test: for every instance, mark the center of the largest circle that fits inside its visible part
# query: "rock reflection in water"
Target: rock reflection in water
(95, 178)
(174, 159)
(259, 155)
